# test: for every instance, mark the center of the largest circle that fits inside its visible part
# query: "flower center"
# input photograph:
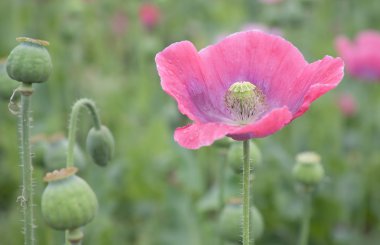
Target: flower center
(244, 101)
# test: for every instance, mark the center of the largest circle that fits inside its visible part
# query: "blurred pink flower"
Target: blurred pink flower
(119, 23)
(149, 15)
(362, 56)
(347, 105)
(200, 82)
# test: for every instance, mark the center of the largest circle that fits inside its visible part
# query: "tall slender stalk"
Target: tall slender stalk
(222, 177)
(246, 194)
(304, 234)
(26, 198)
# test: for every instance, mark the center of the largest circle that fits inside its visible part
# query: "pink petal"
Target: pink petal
(317, 79)
(268, 61)
(269, 124)
(181, 77)
(197, 135)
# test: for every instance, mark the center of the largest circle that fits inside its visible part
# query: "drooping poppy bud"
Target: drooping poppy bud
(29, 62)
(68, 202)
(100, 145)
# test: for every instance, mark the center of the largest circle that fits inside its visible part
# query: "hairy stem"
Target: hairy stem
(26, 197)
(222, 177)
(246, 194)
(90, 105)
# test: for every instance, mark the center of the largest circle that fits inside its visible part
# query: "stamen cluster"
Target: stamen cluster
(244, 101)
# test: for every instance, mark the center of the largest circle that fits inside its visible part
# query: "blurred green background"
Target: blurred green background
(155, 192)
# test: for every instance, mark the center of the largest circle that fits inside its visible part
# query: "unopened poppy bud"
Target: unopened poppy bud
(308, 168)
(29, 62)
(235, 158)
(100, 145)
(230, 221)
(68, 202)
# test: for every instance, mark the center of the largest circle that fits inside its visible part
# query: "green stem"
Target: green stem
(304, 234)
(222, 177)
(90, 105)
(26, 164)
(67, 237)
(246, 192)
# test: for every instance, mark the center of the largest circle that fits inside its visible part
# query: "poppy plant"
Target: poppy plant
(249, 85)
(362, 56)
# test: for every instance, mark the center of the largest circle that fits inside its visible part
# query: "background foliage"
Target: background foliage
(155, 192)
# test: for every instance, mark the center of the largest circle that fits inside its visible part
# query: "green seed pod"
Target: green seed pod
(308, 168)
(55, 154)
(100, 145)
(235, 156)
(29, 62)
(68, 202)
(230, 221)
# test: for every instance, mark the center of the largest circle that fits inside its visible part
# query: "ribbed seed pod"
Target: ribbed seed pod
(68, 202)
(29, 62)
(100, 145)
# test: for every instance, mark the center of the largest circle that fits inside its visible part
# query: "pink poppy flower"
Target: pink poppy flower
(265, 72)
(149, 15)
(361, 56)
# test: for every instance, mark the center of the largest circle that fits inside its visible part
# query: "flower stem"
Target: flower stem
(90, 105)
(246, 193)
(26, 198)
(304, 234)
(67, 237)
(222, 177)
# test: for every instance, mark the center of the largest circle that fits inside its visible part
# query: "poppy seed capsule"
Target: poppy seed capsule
(308, 168)
(68, 202)
(29, 62)
(244, 101)
(100, 145)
